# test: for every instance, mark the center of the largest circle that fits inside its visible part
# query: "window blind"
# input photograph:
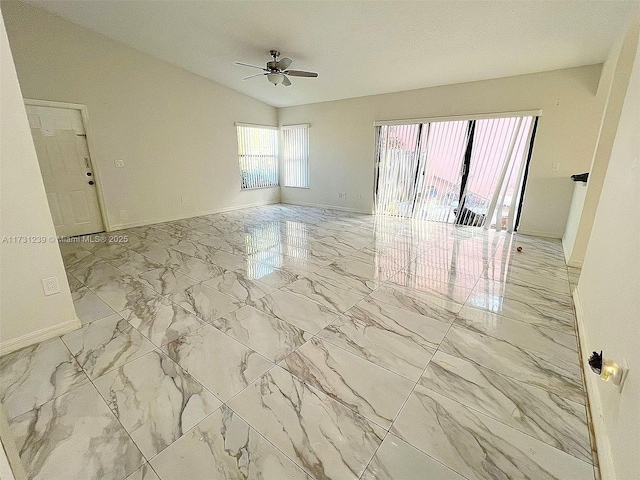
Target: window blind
(295, 156)
(257, 156)
(467, 172)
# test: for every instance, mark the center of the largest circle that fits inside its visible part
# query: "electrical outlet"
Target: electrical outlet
(183, 199)
(555, 167)
(342, 195)
(119, 163)
(50, 286)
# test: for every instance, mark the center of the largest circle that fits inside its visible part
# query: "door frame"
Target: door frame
(84, 113)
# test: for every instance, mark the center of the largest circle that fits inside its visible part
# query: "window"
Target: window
(258, 156)
(295, 143)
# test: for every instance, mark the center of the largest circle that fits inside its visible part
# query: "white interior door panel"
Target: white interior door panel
(65, 165)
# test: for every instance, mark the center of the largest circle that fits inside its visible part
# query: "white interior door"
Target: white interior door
(63, 154)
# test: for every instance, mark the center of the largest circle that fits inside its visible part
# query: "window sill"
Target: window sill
(258, 188)
(301, 188)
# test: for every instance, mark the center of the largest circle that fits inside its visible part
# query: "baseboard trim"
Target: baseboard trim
(534, 233)
(567, 256)
(605, 460)
(174, 218)
(329, 207)
(38, 336)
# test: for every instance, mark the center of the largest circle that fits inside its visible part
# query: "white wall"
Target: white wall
(613, 87)
(573, 221)
(26, 315)
(342, 137)
(609, 293)
(174, 129)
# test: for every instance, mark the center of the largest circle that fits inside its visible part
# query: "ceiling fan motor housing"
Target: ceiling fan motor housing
(273, 64)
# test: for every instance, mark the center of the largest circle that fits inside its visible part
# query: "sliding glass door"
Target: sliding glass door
(468, 172)
(398, 160)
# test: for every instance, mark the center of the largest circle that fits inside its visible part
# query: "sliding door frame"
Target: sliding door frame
(420, 166)
(453, 118)
(466, 166)
(516, 224)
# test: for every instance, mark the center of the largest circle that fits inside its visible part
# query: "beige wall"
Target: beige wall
(26, 314)
(613, 87)
(342, 137)
(609, 293)
(573, 221)
(174, 130)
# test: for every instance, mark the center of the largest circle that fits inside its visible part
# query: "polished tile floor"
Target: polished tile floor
(289, 342)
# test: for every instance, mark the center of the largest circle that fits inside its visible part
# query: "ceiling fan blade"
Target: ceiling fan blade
(255, 75)
(285, 81)
(248, 65)
(300, 73)
(283, 63)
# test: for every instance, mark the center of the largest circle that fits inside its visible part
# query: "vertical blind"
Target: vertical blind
(295, 155)
(441, 155)
(397, 165)
(468, 172)
(497, 167)
(419, 166)
(257, 156)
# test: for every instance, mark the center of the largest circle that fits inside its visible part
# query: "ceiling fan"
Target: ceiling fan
(277, 70)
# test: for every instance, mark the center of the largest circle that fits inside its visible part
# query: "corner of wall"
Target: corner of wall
(605, 460)
(606, 299)
(28, 316)
(566, 248)
(616, 74)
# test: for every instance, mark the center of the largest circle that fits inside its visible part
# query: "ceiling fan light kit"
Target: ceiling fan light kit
(277, 71)
(275, 78)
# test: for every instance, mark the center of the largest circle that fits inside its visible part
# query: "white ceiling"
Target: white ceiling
(358, 48)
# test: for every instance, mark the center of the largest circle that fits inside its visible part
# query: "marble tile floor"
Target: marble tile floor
(286, 342)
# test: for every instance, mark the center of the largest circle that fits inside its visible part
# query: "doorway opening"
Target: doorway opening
(465, 172)
(60, 138)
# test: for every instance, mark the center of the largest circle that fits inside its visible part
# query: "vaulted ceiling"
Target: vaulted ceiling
(358, 48)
